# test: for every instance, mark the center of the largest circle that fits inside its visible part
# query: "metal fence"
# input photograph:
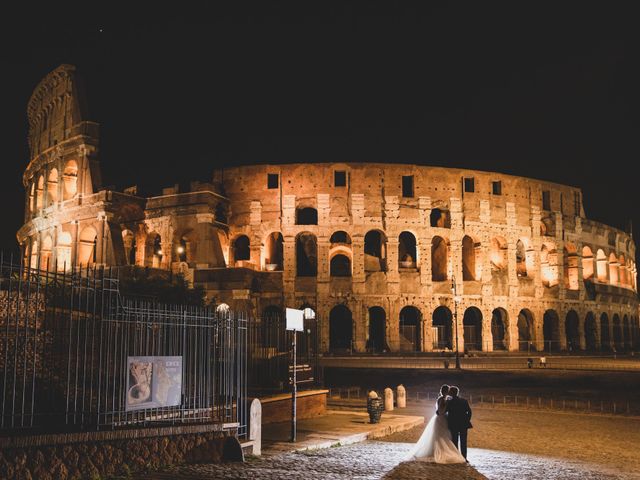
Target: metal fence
(270, 355)
(73, 352)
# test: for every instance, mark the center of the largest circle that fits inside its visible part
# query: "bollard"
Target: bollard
(401, 396)
(388, 399)
(255, 426)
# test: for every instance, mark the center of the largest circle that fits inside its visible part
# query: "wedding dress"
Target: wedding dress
(435, 443)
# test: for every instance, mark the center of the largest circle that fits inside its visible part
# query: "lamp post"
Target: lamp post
(455, 317)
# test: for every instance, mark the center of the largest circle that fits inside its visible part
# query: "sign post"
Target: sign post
(295, 323)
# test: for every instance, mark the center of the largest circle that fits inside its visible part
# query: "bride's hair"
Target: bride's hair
(444, 389)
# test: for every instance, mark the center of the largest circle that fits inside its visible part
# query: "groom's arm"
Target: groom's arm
(469, 411)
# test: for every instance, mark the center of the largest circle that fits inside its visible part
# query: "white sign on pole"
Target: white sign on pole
(295, 320)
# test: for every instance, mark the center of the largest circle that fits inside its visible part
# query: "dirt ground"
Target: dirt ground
(607, 441)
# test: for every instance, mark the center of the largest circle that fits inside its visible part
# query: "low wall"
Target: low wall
(90, 455)
(310, 403)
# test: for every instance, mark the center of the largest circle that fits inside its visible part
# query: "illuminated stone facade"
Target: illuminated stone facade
(374, 249)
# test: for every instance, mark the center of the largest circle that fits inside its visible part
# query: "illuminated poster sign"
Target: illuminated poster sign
(153, 382)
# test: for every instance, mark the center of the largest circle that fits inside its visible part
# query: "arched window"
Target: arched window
(572, 331)
(32, 198)
(306, 255)
(375, 251)
(407, 251)
(471, 264)
(182, 249)
(241, 248)
(410, 323)
(87, 251)
(52, 187)
(34, 254)
(274, 252)
(307, 216)
(498, 255)
(499, 328)
(549, 265)
(472, 324)
(129, 242)
(46, 262)
(40, 193)
(587, 263)
(440, 218)
(622, 271)
(551, 331)
(601, 265)
(63, 251)
(377, 330)
(442, 325)
(340, 266)
(525, 330)
(153, 250)
(70, 179)
(524, 257)
(340, 237)
(439, 259)
(590, 332)
(340, 329)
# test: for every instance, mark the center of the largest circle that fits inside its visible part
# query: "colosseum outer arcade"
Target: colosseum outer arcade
(374, 249)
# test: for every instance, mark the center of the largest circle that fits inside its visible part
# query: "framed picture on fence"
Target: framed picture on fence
(153, 382)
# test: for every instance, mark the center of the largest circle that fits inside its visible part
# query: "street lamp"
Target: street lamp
(455, 317)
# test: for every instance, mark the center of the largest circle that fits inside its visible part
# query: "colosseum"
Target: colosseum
(391, 257)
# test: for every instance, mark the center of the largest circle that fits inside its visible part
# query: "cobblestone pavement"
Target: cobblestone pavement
(367, 460)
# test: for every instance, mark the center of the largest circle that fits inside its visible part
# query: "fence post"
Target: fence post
(614, 407)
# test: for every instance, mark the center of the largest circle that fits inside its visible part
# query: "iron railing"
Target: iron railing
(69, 340)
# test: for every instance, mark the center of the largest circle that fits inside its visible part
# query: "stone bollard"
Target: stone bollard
(255, 426)
(401, 396)
(388, 399)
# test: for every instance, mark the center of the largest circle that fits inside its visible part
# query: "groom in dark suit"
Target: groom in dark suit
(459, 419)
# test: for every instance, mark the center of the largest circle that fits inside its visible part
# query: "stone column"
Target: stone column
(324, 208)
(255, 221)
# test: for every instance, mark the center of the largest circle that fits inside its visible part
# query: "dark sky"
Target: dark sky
(528, 88)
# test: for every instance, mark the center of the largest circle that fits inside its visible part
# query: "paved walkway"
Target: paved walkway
(335, 428)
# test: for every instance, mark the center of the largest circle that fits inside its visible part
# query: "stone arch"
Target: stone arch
(439, 259)
(241, 249)
(442, 324)
(88, 246)
(340, 266)
(52, 187)
(407, 250)
(498, 256)
(306, 216)
(617, 333)
(340, 237)
(153, 250)
(525, 257)
(601, 266)
(274, 254)
(614, 278)
(551, 331)
(440, 218)
(605, 336)
(471, 259)
(340, 329)
(375, 251)
(46, 259)
(525, 330)
(472, 325)
(571, 267)
(40, 193)
(500, 329)
(70, 180)
(549, 265)
(63, 251)
(130, 247)
(410, 326)
(306, 255)
(32, 198)
(588, 269)
(590, 332)
(572, 331)
(377, 342)
(183, 248)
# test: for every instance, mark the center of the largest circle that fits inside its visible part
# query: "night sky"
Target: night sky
(548, 91)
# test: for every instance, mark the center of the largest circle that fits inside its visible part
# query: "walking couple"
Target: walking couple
(439, 441)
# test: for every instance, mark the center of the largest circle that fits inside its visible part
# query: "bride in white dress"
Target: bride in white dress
(435, 444)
